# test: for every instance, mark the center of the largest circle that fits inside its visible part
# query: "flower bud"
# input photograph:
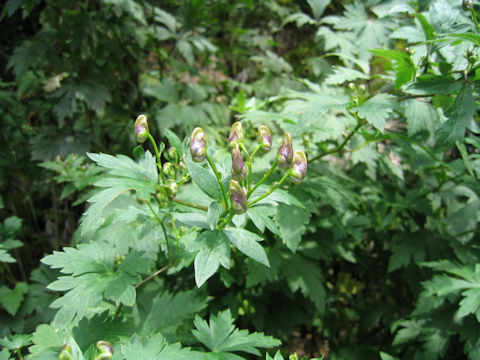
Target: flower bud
(239, 170)
(65, 352)
(285, 152)
(141, 128)
(172, 153)
(265, 137)
(236, 135)
(238, 197)
(168, 169)
(198, 145)
(299, 167)
(106, 350)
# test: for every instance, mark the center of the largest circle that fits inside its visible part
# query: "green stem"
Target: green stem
(341, 146)
(160, 221)
(19, 354)
(150, 277)
(262, 180)
(186, 203)
(157, 155)
(250, 166)
(274, 187)
(219, 179)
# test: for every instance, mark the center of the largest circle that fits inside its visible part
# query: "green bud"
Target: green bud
(299, 167)
(236, 135)
(239, 170)
(285, 152)
(198, 145)
(238, 197)
(293, 356)
(265, 137)
(106, 350)
(65, 352)
(141, 128)
(168, 169)
(172, 154)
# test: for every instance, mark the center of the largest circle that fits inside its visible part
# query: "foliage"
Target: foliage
(372, 254)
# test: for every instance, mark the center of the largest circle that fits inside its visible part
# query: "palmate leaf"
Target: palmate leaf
(377, 109)
(215, 250)
(156, 348)
(342, 74)
(93, 276)
(166, 312)
(291, 222)
(123, 175)
(220, 336)
(403, 65)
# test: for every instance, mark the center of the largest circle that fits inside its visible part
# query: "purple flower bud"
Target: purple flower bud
(265, 137)
(66, 352)
(236, 135)
(172, 153)
(285, 152)
(141, 128)
(299, 167)
(198, 145)
(106, 350)
(239, 170)
(238, 197)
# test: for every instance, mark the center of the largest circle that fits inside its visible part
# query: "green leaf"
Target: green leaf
(156, 348)
(220, 335)
(460, 116)
(260, 216)
(205, 180)
(94, 276)
(377, 109)
(5, 355)
(470, 303)
(407, 246)
(427, 28)
(318, 7)
(99, 327)
(466, 161)
(291, 222)
(166, 312)
(403, 65)
(247, 243)
(124, 175)
(434, 85)
(467, 36)
(305, 275)
(214, 211)
(17, 341)
(342, 74)
(420, 116)
(192, 219)
(6, 257)
(174, 141)
(12, 299)
(215, 250)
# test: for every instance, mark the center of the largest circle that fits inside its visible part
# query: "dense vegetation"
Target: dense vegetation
(206, 241)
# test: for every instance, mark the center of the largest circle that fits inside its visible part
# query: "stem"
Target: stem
(342, 145)
(250, 166)
(219, 179)
(186, 203)
(274, 187)
(265, 177)
(19, 354)
(150, 277)
(157, 155)
(160, 221)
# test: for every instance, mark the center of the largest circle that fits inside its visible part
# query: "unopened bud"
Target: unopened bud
(285, 152)
(239, 170)
(236, 135)
(238, 197)
(168, 169)
(173, 187)
(172, 153)
(141, 128)
(65, 352)
(299, 167)
(265, 138)
(106, 350)
(198, 145)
